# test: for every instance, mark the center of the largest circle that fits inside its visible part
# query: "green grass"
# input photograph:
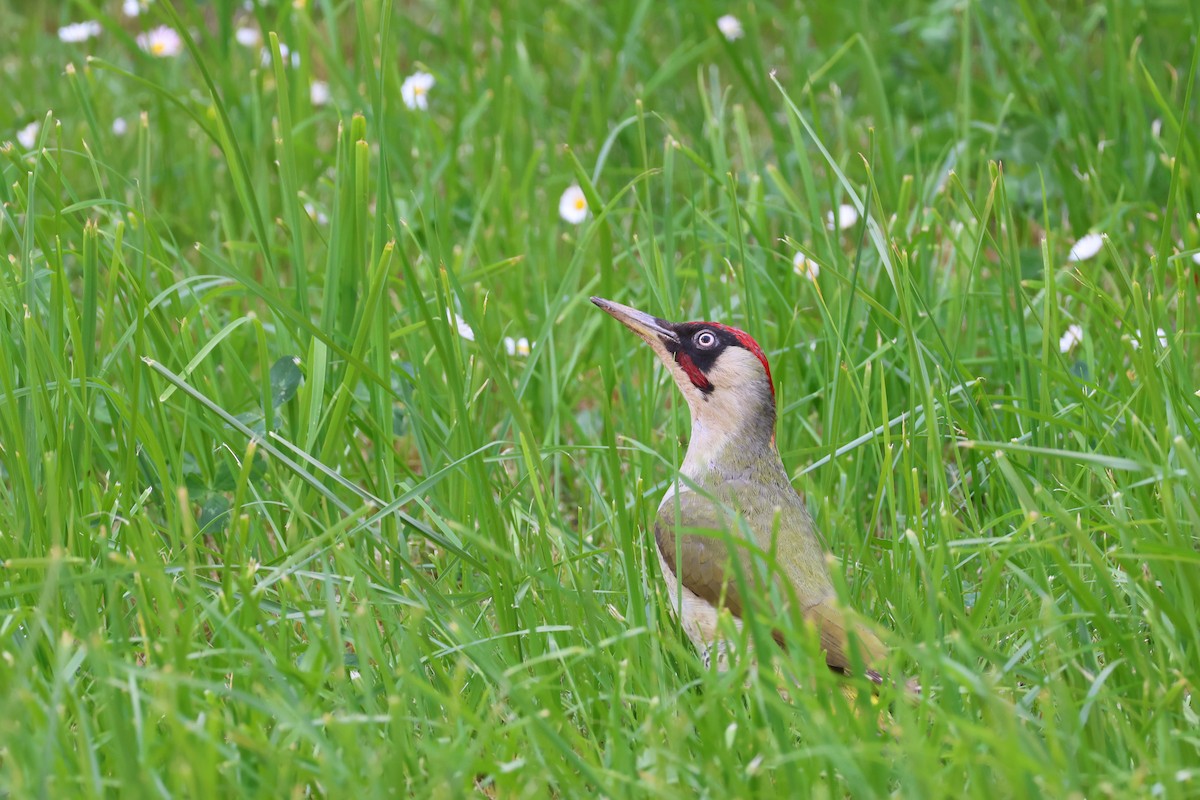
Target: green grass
(270, 527)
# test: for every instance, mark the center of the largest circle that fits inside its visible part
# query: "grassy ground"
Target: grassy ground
(270, 525)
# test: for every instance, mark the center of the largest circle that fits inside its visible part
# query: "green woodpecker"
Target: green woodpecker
(733, 480)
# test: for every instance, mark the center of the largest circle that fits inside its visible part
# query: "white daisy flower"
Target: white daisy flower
(572, 206)
(27, 136)
(131, 8)
(285, 53)
(847, 215)
(1087, 247)
(248, 37)
(415, 90)
(516, 347)
(120, 126)
(1196, 258)
(79, 31)
(1136, 339)
(318, 93)
(730, 27)
(1072, 337)
(464, 330)
(161, 42)
(805, 267)
(315, 214)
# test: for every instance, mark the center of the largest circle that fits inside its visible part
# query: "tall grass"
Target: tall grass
(270, 525)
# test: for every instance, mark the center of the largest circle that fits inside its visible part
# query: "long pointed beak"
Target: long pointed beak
(657, 332)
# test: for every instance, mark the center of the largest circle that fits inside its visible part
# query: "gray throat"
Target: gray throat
(734, 448)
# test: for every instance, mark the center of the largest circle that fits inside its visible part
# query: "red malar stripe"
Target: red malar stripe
(698, 378)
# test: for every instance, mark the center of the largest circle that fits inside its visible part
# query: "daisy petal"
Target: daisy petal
(1087, 247)
(415, 90)
(1072, 337)
(846, 216)
(161, 42)
(730, 27)
(805, 267)
(572, 206)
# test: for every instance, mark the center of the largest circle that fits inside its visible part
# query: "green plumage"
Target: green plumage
(733, 502)
(693, 527)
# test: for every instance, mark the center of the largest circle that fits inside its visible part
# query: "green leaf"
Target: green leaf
(214, 514)
(285, 380)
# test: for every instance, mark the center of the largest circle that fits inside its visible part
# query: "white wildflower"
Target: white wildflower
(285, 53)
(516, 347)
(27, 137)
(131, 8)
(162, 42)
(805, 267)
(572, 206)
(464, 330)
(1087, 247)
(315, 214)
(79, 31)
(415, 90)
(1072, 337)
(730, 27)
(1136, 339)
(120, 126)
(847, 215)
(318, 93)
(248, 37)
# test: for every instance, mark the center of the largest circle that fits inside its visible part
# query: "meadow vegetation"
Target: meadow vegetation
(319, 475)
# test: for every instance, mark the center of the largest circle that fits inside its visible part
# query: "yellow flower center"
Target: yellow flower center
(418, 90)
(158, 48)
(580, 204)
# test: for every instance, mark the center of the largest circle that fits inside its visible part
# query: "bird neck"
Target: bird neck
(731, 438)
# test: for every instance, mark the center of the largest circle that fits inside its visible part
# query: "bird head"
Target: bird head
(721, 371)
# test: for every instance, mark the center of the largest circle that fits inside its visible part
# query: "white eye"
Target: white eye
(706, 340)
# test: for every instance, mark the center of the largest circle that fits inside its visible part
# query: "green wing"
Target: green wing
(700, 561)
(688, 533)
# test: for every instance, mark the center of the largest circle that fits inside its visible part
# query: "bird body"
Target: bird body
(732, 509)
